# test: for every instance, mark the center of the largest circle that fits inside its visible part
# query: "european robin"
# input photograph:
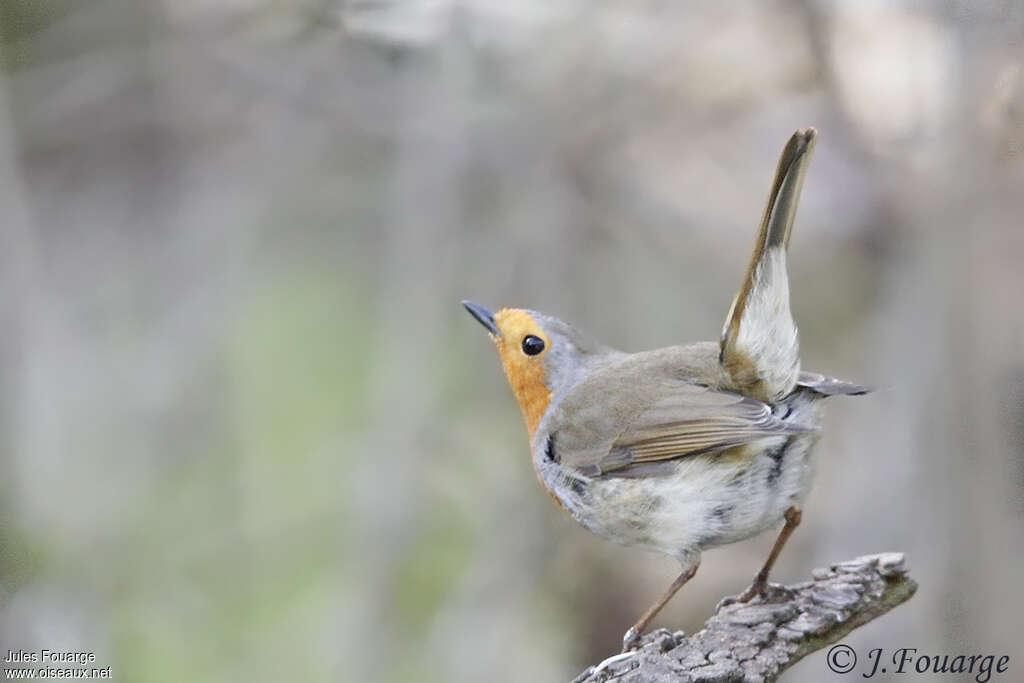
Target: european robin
(683, 448)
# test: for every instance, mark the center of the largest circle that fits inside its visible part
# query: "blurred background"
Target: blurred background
(247, 433)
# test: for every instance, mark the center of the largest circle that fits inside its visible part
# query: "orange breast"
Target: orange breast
(531, 392)
(525, 374)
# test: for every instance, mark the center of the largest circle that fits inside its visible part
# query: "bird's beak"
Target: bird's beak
(483, 316)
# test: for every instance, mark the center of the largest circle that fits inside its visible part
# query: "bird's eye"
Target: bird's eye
(532, 345)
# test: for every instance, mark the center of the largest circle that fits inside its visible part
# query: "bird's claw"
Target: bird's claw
(775, 592)
(631, 640)
(609, 661)
(761, 589)
(630, 644)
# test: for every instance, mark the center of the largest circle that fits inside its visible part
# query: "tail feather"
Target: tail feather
(760, 353)
(830, 386)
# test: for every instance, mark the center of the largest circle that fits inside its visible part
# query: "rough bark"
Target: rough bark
(759, 640)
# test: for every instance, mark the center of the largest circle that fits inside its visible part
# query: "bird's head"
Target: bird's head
(542, 355)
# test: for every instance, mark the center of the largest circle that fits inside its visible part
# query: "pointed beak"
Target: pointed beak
(483, 316)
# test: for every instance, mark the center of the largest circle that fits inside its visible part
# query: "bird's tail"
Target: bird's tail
(760, 354)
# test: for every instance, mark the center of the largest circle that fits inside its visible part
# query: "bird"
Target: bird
(685, 448)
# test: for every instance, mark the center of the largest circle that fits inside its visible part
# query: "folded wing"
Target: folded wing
(675, 419)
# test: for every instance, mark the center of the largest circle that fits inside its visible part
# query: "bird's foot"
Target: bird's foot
(631, 640)
(630, 644)
(761, 589)
(608, 662)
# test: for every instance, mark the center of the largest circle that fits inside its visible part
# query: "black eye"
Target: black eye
(532, 345)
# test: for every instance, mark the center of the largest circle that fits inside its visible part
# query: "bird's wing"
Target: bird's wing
(665, 419)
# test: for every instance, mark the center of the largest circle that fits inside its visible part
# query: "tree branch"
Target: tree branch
(759, 640)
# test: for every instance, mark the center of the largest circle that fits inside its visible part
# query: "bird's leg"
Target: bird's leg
(760, 584)
(632, 638)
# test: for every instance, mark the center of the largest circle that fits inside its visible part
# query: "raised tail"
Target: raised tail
(760, 353)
